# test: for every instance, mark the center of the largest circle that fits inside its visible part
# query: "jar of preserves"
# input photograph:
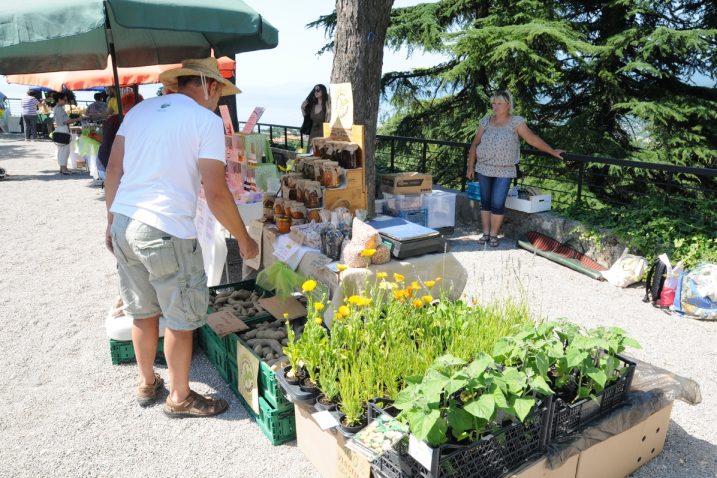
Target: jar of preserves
(283, 224)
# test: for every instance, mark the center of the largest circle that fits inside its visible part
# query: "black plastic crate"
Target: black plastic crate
(492, 456)
(569, 418)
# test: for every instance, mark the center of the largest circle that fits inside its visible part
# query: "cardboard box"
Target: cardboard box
(624, 453)
(539, 203)
(325, 449)
(406, 183)
(538, 469)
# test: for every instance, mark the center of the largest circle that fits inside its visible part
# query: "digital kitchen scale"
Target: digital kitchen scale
(407, 239)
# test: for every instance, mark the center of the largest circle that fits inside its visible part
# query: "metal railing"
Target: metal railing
(577, 180)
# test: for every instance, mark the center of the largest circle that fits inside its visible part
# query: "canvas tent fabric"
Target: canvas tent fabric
(82, 79)
(38, 36)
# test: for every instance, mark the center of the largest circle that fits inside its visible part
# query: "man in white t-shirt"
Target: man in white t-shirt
(164, 149)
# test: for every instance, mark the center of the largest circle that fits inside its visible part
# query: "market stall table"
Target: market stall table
(355, 280)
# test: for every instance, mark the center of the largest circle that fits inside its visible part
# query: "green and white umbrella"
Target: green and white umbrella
(38, 36)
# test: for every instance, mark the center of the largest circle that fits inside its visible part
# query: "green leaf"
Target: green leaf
(483, 407)
(430, 427)
(459, 420)
(457, 381)
(478, 366)
(522, 407)
(598, 376)
(447, 361)
(575, 356)
(499, 398)
(539, 384)
(433, 384)
(629, 342)
(542, 363)
(406, 398)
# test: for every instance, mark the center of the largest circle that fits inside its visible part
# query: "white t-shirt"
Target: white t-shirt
(164, 139)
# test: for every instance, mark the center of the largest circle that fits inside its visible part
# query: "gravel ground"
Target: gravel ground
(70, 412)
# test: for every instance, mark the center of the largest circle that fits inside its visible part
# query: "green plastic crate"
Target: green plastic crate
(268, 386)
(218, 357)
(229, 341)
(208, 337)
(122, 351)
(279, 426)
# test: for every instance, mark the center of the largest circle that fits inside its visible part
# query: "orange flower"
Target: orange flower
(400, 294)
(398, 277)
(417, 303)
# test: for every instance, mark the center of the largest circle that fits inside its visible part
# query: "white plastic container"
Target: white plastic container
(540, 203)
(441, 206)
(120, 328)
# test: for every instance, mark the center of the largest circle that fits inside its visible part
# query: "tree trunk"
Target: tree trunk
(358, 59)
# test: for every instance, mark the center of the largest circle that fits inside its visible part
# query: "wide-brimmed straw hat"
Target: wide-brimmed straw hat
(206, 67)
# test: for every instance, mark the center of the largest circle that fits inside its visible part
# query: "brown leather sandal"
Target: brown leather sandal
(147, 394)
(195, 405)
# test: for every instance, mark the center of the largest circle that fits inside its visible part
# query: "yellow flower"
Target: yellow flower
(382, 275)
(363, 301)
(309, 285)
(427, 299)
(398, 277)
(368, 252)
(430, 283)
(341, 267)
(417, 303)
(400, 294)
(318, 321)
(344, 311)
(414, 286)
(286, 315)
(337, 316)
(353, 299)
(319, 306)
(438, 279)
(409, 292)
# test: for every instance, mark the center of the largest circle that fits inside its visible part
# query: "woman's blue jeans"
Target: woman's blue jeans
(493, 192)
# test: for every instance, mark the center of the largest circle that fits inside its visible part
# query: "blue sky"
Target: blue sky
(279, 79)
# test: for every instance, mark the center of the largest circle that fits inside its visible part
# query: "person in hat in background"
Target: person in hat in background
(164, 148)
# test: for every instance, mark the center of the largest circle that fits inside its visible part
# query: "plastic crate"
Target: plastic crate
(207, 337)
(123, 351)
(569, 418)
(279, 426)
(416, 216)
(492, 456)
(230, 340)
(268, 386)
(218, 357)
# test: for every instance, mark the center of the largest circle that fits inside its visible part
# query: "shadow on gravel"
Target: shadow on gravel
(50, 175)
(683, 456)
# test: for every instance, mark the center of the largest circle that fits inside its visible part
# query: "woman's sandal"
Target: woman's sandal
(482, 240)
(493, 241)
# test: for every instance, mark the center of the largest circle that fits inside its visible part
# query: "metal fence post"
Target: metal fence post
(581, 171)
(271, 133)
(393, 155)
(424, 150)
(286, 137)
(464, 179)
